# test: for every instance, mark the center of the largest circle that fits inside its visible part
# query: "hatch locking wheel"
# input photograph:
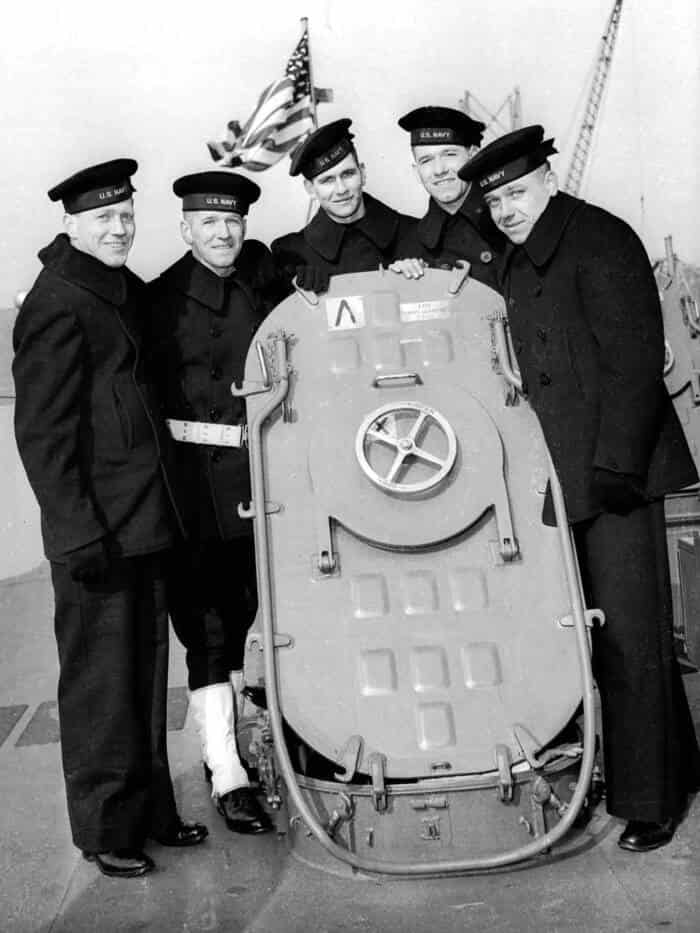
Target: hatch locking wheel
(405, 439)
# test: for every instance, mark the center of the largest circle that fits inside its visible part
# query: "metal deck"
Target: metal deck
(234, 884)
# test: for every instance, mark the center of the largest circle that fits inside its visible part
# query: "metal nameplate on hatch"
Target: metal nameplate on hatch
(414, 311)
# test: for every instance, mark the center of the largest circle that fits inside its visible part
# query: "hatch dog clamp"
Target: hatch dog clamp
(544, 842)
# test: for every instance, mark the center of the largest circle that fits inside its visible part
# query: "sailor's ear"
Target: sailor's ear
(186, 231)
(551, 182)
(69, 225)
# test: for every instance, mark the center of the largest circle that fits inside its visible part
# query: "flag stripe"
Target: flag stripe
(294, 130)
(271, 129)
(268, 109)
(282, 118)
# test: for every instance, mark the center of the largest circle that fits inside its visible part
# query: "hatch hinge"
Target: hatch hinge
(348, 758)
(505, 777)
(377, 769)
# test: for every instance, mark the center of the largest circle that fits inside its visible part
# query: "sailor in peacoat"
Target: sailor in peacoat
(95, 449)
(456, 226)
(352, 231)
(584, 314)
(204, 311)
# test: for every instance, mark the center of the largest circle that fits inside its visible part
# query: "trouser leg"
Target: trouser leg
(212, 601)
(647, 746)
(107, 693)
(154, 620)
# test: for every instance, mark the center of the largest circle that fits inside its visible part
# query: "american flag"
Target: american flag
(282, 119)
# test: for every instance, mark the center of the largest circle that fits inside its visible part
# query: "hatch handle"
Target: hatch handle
(379, 382)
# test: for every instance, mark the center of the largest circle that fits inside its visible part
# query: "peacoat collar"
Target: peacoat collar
(379, 224)
(548, 230)
(194, 280)
(84, 270)
(431, 227)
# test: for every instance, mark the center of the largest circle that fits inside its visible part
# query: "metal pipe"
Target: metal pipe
(503, 351)
(264, 579)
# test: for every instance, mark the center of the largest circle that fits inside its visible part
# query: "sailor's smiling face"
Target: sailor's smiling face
(517, 205)
(215, 237)
(339, 189)
(107, 233)
(437, 167)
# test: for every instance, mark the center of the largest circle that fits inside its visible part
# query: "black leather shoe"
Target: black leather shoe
(242, 812)
(640, 836)
(183, 834)
(122, 863)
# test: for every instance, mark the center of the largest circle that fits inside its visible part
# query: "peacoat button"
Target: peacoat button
(215, 456)
(486, 256)
(215, 373)
(545, 379)
(214, 330)
(214, 414)
(542, 334)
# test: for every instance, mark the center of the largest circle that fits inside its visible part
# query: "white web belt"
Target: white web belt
(204, 432)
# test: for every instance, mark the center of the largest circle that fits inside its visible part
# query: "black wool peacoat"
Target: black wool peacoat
(584, 314)
(361, 246)
(200, 328)
(88, 426)
(441, 239)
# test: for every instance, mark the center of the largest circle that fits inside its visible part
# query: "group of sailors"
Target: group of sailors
(135, 449)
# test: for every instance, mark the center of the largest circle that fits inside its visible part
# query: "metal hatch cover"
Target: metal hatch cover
(423, 641)
(429, 492)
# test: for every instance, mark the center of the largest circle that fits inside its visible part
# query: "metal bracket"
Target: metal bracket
(249, 511)
(348, 758)
(325, 558)
(504, 350)
(311, 298)
(248, 387)
(543, 793)
(528, 745)
(591, 616)
(459, 276)
(508, 546)
(505, 777)
(377, 768)
(341, 814)
(280, 640)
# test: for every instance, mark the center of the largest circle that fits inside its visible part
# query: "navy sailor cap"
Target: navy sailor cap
(323, 149)
(216, 191)
(96, 186)
(508, 157)
(432, 126)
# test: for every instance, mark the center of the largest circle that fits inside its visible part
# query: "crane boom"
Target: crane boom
(579, 160)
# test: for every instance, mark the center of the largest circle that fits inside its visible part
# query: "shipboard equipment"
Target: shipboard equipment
(424, 632)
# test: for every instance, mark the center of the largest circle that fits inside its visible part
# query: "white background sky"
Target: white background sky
(84, 81)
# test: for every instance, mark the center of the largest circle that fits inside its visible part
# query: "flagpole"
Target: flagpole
(312, 90)
(312, 97)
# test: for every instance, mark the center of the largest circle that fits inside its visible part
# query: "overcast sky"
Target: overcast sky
(85, 82)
